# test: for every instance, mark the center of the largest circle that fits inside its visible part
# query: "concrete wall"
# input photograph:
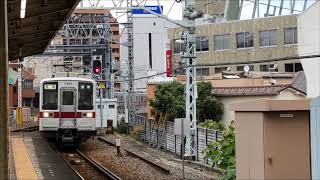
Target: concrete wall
(229, 115)
(245, 54)
(309, 44)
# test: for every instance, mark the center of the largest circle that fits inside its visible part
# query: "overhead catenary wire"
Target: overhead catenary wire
(288, 58)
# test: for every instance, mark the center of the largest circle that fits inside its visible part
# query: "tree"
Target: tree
(169, 100)
(208, 107)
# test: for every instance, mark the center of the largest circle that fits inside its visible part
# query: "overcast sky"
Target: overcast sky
(175, 12)
(176, 8)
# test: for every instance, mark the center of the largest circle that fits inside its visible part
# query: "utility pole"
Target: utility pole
(4, 166)
(20, 81)
(107, 58)
(130, 75)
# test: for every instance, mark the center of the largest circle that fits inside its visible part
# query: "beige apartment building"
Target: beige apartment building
(249, 41)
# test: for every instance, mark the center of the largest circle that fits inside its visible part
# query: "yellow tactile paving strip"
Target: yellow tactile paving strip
(22, 161)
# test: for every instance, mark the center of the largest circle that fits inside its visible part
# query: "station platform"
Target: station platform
(32, 158)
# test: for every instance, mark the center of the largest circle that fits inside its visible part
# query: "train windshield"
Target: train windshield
(85, 96)
(50, 96)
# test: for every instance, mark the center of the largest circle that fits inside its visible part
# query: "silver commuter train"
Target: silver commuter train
(67, 109)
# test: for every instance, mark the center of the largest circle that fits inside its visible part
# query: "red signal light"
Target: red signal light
(96, 66)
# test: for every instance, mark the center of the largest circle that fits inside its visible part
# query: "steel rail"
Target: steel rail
(99, 167)
(164, 170)
(66, 161)
(26, 129)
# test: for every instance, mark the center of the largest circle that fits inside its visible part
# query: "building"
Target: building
(309, 44)
(83, 35)
(28, 93)
(149, 45)
(240, 41)
(231, 91)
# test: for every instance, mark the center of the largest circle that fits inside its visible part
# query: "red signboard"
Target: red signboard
(168, 63)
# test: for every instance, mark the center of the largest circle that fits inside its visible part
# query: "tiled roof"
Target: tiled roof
(249, 91)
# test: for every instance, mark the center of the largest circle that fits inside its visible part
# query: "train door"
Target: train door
(68, 109)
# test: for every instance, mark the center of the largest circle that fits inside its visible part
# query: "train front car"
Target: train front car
(67, 109)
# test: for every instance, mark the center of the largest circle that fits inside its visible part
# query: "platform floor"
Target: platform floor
(22, 161)
(33, 159)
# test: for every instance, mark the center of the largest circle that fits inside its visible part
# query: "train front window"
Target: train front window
(67, 98)
(50, 96)
(85, 96)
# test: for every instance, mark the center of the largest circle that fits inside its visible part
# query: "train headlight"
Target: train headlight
(89, 115)
(45, 114)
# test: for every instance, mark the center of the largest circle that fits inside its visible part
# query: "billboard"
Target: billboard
(168, 63)
(156, 9)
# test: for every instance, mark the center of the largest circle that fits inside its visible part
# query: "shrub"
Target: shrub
(137, 131)
(122, 127)
(223, 153)
(210, 124)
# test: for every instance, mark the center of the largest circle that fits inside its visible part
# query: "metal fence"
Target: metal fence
(28, 118)
(164, 137)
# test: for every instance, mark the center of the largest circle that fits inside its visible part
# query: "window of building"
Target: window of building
(241, 68)
(27, 102)
(202, 71)
(28, 84)
(220, 69)
(244, 40)
(268, 67)
(178, 46)
(112, 106)
(290, 35)
(293, 67)
(268, 38)
(202, 43)
(222, 42)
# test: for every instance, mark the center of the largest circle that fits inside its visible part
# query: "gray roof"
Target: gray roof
(299, 82)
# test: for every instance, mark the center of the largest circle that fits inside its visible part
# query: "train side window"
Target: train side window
(67, 98)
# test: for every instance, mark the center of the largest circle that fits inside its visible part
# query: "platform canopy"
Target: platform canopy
(43, 18)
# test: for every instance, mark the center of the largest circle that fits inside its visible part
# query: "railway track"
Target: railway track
(84, 166)
(130, 153)
(26, 129)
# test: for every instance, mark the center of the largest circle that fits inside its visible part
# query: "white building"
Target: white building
(149, 42)
(309, 44)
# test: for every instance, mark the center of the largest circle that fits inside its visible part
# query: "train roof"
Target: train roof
(66, 79)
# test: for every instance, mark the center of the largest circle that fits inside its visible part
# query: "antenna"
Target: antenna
(246, 68)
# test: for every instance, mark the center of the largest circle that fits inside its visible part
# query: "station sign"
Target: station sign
(156, 9)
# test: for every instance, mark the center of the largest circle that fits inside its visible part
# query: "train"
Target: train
(67, 109)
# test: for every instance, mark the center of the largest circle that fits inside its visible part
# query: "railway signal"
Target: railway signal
(96, 66)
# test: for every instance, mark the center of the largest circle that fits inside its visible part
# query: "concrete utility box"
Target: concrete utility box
(109, 112)
(272, 139)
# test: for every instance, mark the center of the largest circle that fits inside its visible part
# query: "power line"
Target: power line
(233, 63)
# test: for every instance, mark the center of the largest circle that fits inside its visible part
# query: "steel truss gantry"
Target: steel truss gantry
(189, 56)
(130, 70)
